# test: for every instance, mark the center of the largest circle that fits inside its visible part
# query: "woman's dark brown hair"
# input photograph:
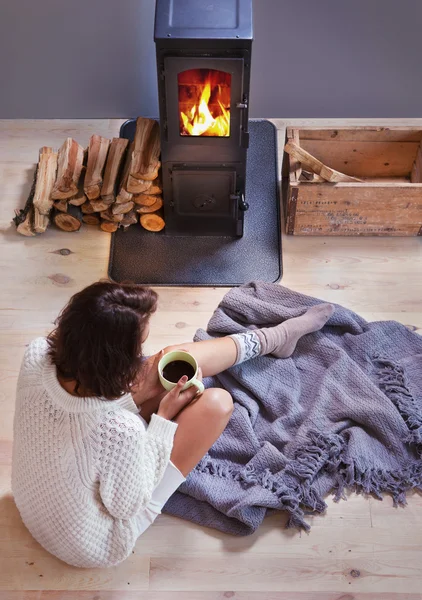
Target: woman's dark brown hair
(98, 337)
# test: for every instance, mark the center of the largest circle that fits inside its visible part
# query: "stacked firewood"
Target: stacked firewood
(110, 184)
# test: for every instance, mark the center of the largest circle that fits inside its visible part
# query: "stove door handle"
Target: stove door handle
(243, 205)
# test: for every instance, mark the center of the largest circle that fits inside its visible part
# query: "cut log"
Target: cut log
(129, 219)
(108, 226)
(145, 199)
(70, 221)
(107, 215)
(40, 222)
(150, 209)
(91, 219)
(69, 166)
(80, 197)
(61, 205)
(121, 209)
(313, 164)
(97, 155)
(26, 227)
(87, 208)
(78, 200)
(138, 186)
(112, 170)
(152, 222)
(46, 176)
(146, 152)
(24, 218)
(123, 195)
(99, 205)
(156, 187)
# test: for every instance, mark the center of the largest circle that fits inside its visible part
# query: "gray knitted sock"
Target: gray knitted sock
(281, 340)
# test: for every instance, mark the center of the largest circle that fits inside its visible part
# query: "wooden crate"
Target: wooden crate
(388, 201)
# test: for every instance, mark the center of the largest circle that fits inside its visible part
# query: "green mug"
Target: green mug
(185, 357)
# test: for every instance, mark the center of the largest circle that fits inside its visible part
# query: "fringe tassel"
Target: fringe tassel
(392, 381)
(295, 489)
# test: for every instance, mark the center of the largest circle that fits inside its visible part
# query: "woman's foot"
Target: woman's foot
(281, 340)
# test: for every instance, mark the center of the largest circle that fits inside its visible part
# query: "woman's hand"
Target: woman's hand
(177, 400)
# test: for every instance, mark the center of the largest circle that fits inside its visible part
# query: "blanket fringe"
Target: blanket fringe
(392, 381)
(295, 488)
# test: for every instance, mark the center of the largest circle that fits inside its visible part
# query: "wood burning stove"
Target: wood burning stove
(203, 67)
(213, 160)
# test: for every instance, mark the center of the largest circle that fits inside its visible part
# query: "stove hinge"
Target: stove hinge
(243, 106)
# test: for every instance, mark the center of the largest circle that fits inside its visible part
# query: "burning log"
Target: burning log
(70, 221)
(46, 176)
(108, 226)
(151, 209)
(146, 152)
(69, 167)
(152, 222)
(97, 155)
(115, 157)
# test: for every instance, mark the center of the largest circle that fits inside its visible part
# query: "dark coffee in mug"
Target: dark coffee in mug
(176, 369)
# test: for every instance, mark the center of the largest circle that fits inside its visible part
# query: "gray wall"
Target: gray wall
(312, 58)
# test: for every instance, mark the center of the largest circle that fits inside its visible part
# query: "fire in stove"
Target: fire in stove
(204, 102)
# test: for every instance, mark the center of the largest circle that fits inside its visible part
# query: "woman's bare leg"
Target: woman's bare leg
(199, 425)
(213, 356)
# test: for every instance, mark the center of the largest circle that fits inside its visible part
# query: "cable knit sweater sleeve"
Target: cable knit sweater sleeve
(132, 461)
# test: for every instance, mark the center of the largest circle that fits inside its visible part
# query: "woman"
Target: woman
(99, 446)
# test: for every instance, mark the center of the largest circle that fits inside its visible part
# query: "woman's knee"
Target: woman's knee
(218, 403)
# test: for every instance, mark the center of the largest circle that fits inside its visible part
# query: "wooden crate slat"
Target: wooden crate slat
(365, 159)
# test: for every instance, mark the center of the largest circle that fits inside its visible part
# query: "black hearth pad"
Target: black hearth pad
(158, 259)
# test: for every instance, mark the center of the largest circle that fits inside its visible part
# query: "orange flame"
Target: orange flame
(199, 120)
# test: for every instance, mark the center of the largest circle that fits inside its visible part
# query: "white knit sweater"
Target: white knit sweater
(83, 468)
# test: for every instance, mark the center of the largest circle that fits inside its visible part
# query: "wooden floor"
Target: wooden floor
(362, 549)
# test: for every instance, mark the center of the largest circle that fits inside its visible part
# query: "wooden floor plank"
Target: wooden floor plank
(361, 549)
(226, 595)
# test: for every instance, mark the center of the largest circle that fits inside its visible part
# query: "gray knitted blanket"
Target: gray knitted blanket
(344, 412)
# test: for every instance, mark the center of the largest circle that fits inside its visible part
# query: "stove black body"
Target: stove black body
(203, 177)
